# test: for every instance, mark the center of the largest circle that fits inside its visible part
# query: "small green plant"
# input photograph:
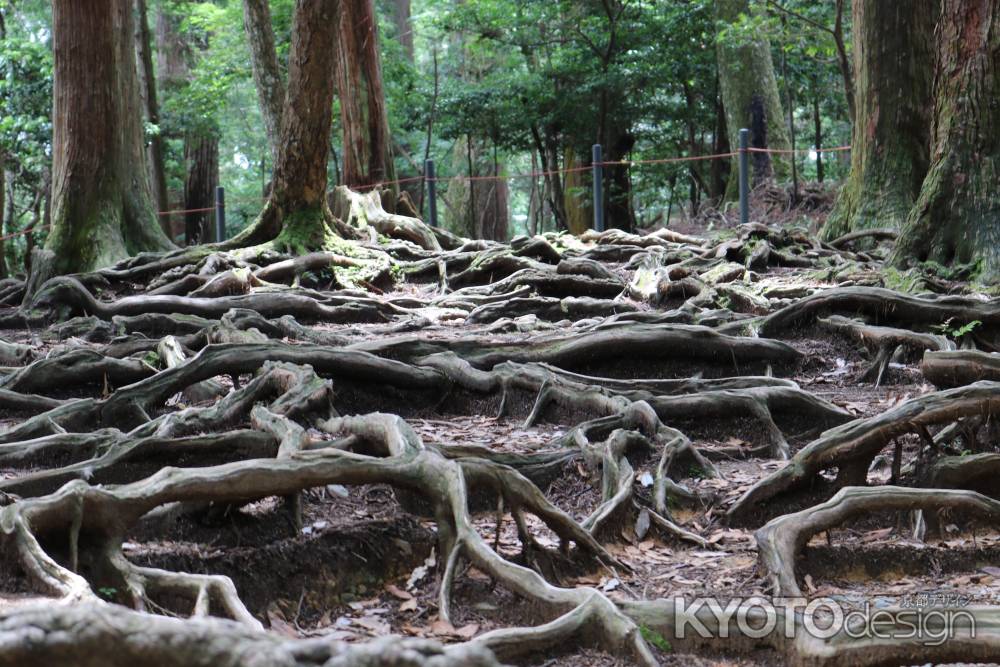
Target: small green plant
(107, 592)
(655, 638)
(956, 332)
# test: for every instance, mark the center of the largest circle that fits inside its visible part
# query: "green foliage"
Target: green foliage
(955, 331)
(655, 638)
(513, 76)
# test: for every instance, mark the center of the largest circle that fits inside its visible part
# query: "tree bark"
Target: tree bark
(296, 213)
(893, 60)
(576, 203)
(147, 83)
(750, 95)
(367, 148)
(956, 217)
(201, 153)
(3, 243)
(404, 28)
(266, 73)
(172, 71)
(102, 205)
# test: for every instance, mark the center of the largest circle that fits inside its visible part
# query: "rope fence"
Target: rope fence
(430, 179)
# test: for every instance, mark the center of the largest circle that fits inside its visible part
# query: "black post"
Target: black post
(432, 209)
(597, 157)
(744, 176)
(220, 214)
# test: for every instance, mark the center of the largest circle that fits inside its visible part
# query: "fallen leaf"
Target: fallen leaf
(397, 592)
(278, 622)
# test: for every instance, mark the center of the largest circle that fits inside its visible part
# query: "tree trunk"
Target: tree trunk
(956, 217)
(367, 149)
(201, 154)
(893, 60)
(147, 89)
(296, 214)
(719, 169)
(818, 136)
(577, 204)
(404, 28)
(266, 73)
(618, 180)
(102, 205)
(3, 243)
(172, 54)
(750, 95)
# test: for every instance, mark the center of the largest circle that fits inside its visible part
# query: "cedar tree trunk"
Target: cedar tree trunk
(956, 218)
(147, 89)
(367, 149)
(102, 208)
(894, 69)
(201, 153)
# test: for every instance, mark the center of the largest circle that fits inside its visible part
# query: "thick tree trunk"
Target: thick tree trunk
(893, 56)
(201, 154)
(266, 73)
(404, 28)
(750, 95)
(367, 149)
(102, 205)
(147, 89)
(956, 218)
(297, 214)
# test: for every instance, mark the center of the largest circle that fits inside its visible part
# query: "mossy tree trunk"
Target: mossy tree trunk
(296, 215)
(101, 199)
(894, 68)
(363, 115)
(750, 93)
(956, 217)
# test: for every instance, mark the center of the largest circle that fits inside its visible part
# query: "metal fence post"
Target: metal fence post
(220, 214)
(744, 176)
(597, 157)
(432, 211)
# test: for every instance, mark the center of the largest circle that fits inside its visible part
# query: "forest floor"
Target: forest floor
(353, 557)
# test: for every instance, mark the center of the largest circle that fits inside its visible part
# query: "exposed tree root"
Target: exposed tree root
(850, 448)
(103, 635)
(959, 367)
(560, 332)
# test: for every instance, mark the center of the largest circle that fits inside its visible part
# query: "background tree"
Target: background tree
(296, 214)
(749, 89)
(102, 205)
(147, 90)
(267, 74)
(367, 147)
